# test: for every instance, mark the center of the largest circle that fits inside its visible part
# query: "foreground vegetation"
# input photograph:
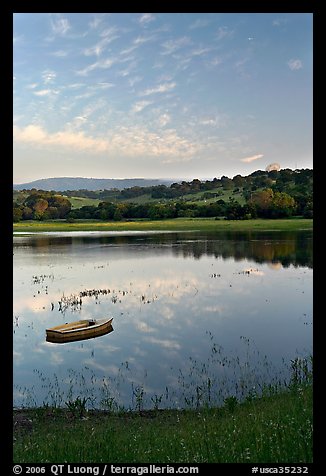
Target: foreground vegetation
(272, 429)
(247, 415)
(178, 224)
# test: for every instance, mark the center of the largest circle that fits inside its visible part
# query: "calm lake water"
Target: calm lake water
(196, 314)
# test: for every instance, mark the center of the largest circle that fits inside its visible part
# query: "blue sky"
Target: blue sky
(159, 95)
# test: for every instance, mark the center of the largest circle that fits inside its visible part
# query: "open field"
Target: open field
(194, 197)
(177, 224)
(78, 202)
(271, 429)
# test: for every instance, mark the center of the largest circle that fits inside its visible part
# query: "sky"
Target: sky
(160, 95)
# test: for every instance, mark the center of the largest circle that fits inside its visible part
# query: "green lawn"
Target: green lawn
(78, 202)
(178, 224)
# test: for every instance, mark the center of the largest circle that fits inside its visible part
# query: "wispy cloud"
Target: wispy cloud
(252, 158)
(295, 64)
(128, 69)
(96, 22)
(102, 64)
(208, 121)
(146, 18)
(279, 22)
(128, 141)
(164, 119)
(48, 76)
(60, 53)
(241, 68)
(99, 47)
(142, 39)
(104, 85)
(199, 23)
(224, 32)
(165, 343)
(60, 26)
(134, 80)
(45, 92)
(161, 88)
(171, 46)
(215, 61)
(140, 105)
(77, 140)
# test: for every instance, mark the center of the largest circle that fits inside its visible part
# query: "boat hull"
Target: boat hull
(79, 330)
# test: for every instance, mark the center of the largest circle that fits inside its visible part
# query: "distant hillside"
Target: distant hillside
(79, 183)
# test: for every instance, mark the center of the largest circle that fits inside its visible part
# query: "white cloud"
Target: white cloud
(109, 32)
(60, 53)
(208, 121)
(142, 39)
(103, 64)
(295, 64)
(60, 26)
(161, 88)
(126, 141)
(200, 51)
(134, 80)
(128, 69)
(170, 46)
(104, 85)
(48, 76)
(216, 61)
(108, 36)
(164, 119)
(165, 343)
(97, 49)
(146, 18)
(45, 92)
(224, 32)
(252, 158)
(279, 22)
(199, 23)
(140, 105)
(77, 140)
(129, 50)
(97, 20)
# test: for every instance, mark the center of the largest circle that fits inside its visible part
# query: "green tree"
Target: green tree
(17, 214)
(283, 205)
(39, 208)
(27, 213)
(262, 198)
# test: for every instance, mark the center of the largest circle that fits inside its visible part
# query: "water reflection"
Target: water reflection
(287, 248)
(173, 297)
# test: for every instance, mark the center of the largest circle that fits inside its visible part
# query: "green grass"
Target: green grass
(273, 429)
(78, 202)
(199, 199)
(178, 224)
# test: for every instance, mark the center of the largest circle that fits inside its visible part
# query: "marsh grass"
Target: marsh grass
(246, 413)
(177, 224)
(224, 378)
(275, 429)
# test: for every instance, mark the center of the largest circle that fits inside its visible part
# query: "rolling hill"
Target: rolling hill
(80, 183)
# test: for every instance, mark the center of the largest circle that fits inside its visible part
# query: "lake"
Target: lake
(196, 316)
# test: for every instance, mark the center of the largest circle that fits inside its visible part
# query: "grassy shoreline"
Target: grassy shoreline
(177, 224)
(270, 429)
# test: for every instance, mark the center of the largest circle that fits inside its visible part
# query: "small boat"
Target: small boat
(79, 330)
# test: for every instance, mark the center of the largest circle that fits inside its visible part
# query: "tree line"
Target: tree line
(274, 194)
